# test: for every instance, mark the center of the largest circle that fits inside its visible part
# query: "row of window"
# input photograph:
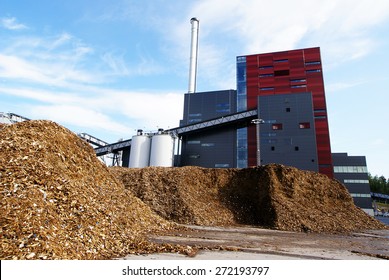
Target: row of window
(292, 86)
(360, 194)
(350, 169)
(296, 148)
(302, 125)
(307, 63)
(356, 181)
(197, 142)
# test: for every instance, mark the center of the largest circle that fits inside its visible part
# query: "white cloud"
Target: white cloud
(61, 40)
(78, 116)
(16, 68)
(90, 108)
(12, 24)
(338, 86)
(229, 28)
(116, 64)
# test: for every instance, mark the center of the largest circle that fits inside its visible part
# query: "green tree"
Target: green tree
(379, 184)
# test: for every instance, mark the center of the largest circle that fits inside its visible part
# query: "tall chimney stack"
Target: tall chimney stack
(193, 55)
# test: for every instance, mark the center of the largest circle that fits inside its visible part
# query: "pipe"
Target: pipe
(193, 55)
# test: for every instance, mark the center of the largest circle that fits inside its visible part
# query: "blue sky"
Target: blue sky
(110, 67)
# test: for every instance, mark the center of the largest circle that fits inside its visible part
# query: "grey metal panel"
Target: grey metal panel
(208, 105)
(211, 149)
(211, 115)
(290, 145)
(343, 159)
(363, 202)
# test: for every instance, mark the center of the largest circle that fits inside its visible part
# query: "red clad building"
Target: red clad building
(289, 72)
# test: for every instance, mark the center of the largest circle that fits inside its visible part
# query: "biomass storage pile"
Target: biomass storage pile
(272, 196)
(58, 201)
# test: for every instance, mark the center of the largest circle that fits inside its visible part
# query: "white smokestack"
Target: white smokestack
(193, 55)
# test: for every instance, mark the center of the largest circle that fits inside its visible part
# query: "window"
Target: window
(356, 181)
(193, 142)
(298, 86)
(194, 156)
(267, 88)
(281, 60)
(304, 125)
(266, 75)
(298, 80)
(195, 115)
(208, 145)
(194, 120)
(277, 126)
(296, 148)
(312, 63)
(272, 148)
(287, 109)
(350, 169)
(360, 194)
(223, 108)
(222, 165)
(266, 67)
(278, 73)
(313, 71)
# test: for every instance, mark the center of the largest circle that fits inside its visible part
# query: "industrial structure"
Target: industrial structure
(352, 172)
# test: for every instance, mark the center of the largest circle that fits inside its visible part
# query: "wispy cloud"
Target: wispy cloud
(229, 28)
(66, 80)
(91, 108)
(11, 23)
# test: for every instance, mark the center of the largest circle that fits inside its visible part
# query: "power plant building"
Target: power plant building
(287, 89)
(288, 72)
(352, 172)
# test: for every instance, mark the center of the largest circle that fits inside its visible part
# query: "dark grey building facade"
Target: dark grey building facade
(288, 132)
(352, 172)
(210, 148)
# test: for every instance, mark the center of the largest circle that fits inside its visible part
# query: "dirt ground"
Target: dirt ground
(245, 243)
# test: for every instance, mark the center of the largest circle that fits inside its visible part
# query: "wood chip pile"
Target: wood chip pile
(58, 201)
(272, 196)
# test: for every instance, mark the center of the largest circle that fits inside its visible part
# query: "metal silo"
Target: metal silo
(162, 150)
(140, 150)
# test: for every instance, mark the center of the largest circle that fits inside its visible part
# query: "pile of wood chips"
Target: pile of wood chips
(58, 201)
(272, 196)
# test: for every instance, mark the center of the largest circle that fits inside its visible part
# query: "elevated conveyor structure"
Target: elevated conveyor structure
(245, 116)
(92, 140)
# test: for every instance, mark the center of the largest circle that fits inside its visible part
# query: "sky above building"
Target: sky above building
(109, 68)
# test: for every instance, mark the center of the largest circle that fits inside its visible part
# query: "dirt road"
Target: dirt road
(257, 243)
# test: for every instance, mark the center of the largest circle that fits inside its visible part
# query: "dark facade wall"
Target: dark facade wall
(288, 134)
(204, 106)
(352, 172)
(290, 72)
(214, 147)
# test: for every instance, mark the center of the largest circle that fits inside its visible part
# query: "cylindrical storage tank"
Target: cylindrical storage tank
(162, 150)
(140, 151)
